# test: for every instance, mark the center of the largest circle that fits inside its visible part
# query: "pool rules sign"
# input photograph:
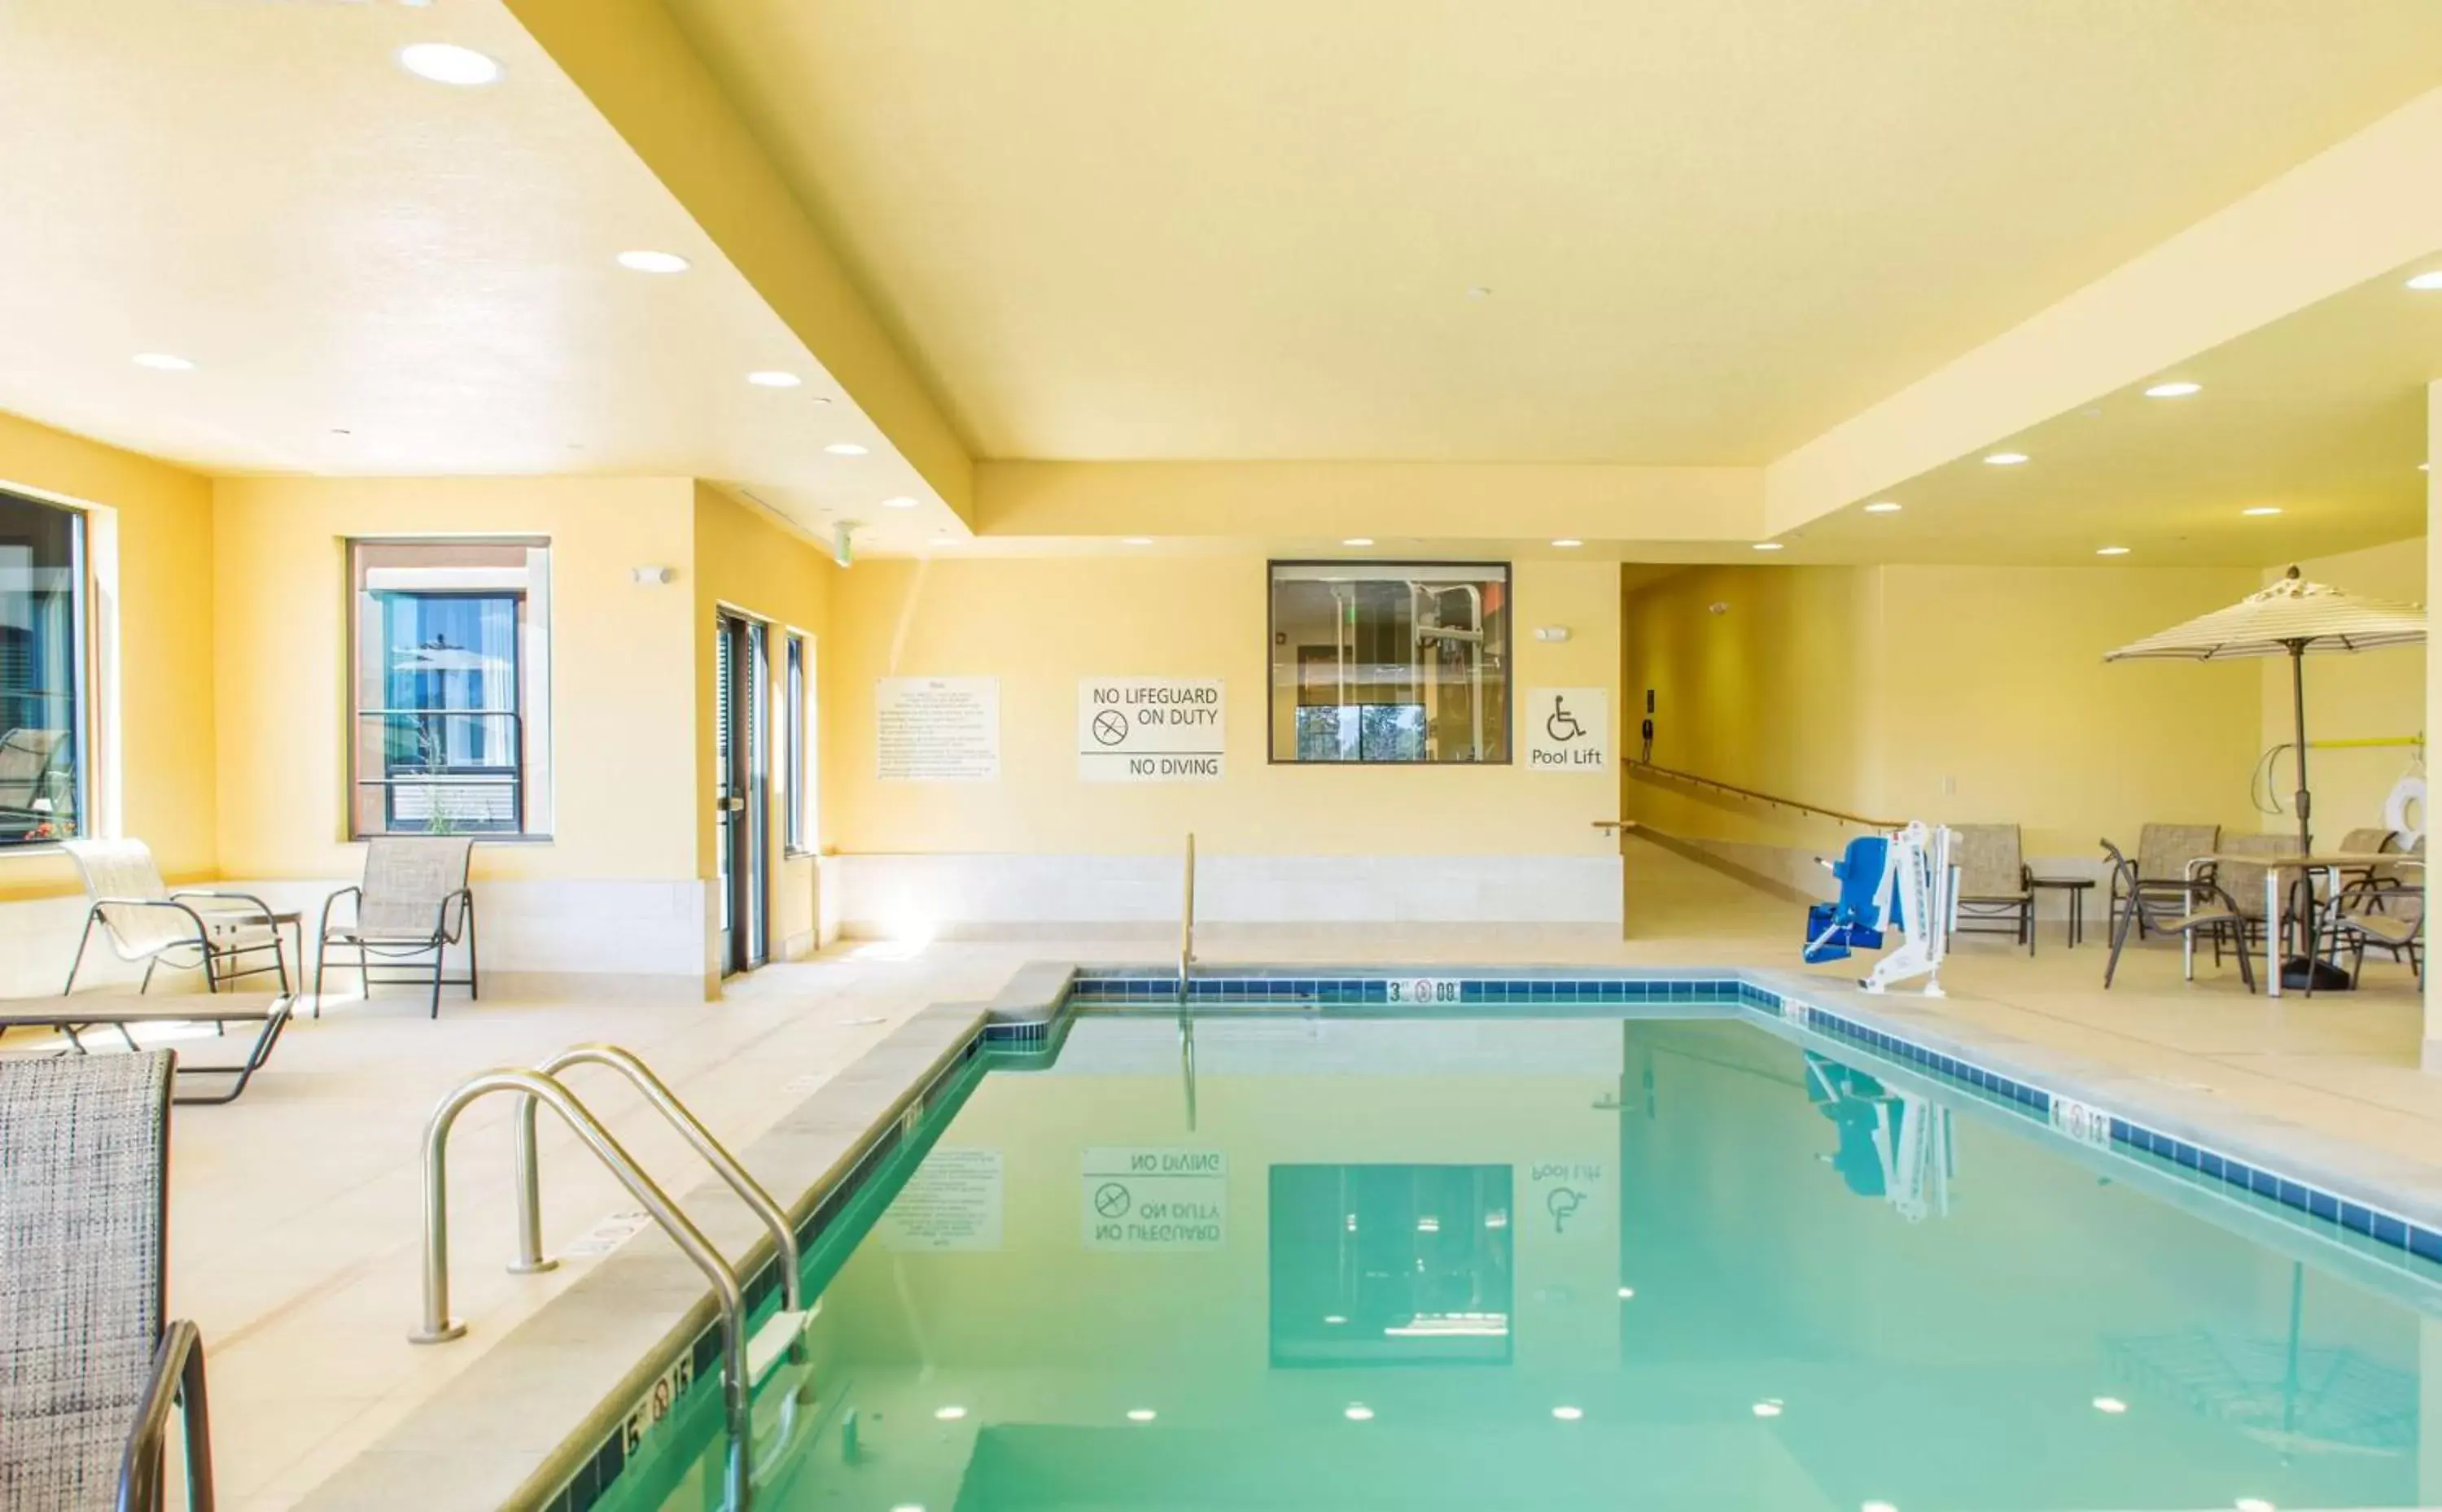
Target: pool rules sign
(1149, 729)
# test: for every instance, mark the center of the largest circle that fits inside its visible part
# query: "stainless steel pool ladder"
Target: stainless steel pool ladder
(540, 1085)
(1187, 923)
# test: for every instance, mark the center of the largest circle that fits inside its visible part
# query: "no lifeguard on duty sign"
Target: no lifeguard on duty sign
(1149, 729)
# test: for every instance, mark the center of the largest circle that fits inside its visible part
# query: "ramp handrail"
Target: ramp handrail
(530, 1256)
(439, 1327)
(1648, 770)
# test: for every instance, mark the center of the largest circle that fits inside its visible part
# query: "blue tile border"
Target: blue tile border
(2209, 1168)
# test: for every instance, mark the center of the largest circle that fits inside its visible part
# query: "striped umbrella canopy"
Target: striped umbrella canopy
(2290, 618)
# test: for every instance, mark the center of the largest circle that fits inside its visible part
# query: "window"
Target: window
(797, 766)
(42, 672)
(1389, 662)
(452, 650)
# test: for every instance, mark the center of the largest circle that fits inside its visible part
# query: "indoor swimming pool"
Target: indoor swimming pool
(1673, 1252)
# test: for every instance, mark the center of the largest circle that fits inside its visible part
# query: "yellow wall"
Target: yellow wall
(164, 515)
(1773, 693)
(622, 677)
(1042, 623)
(2351, 696)
(1995, 678)
(747, 560)
(1949, 693)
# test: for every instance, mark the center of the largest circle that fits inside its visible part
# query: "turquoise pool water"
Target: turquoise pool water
(1687, 1262)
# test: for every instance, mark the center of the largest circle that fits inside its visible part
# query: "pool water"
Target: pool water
(1687, 1261)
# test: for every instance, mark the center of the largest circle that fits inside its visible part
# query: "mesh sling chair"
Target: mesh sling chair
(1994, 886)
(2163, 851)
(413, 902)
(2197, 908)
(226, 934)
(2380, 910)
(89, 1369)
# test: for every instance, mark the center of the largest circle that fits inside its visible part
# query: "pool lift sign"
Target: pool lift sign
(1149, 729)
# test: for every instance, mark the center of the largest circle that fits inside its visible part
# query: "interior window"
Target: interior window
(1389, 662)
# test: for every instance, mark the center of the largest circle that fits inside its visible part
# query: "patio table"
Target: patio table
(2329, 863)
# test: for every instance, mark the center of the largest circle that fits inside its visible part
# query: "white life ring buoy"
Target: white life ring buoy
(2403, 812)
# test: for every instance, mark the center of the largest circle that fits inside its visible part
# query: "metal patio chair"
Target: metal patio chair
(224, 933)
(89, 1371)
(414, 902)
(2196, 907)
(2163, 851)
(1994, 886)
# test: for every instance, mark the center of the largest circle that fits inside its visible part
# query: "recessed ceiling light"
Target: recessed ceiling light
(1141, 1414)
(1767, 545)
(1882, 507)
(163, 362)
(2260, 509)
(949, 1414)
(769, 379)
(445, 62)
(2005, 459)
(2110, 1404)
(845, 449)
(1769, 1407)
(2254, 1504)
(1626, 1292)
(1480, 291)
(1358, 1412)
(1568, 1414)
(1136, 540)
(1876, 1506)
(642, 261)
(2427, 280)
(2178, 389)
(899, 501)
(1568, 542)
(2111, 551)
(1359, 540)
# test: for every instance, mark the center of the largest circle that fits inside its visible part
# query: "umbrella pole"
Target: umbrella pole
(2298, 696)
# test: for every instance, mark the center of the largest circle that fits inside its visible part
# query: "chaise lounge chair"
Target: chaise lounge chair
(90, 1373)
(77, 1015)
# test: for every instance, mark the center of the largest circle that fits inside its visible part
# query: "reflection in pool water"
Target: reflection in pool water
(1578, 1263)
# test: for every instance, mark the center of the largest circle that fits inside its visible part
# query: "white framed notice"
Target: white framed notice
(937, 729)
(1149, 729)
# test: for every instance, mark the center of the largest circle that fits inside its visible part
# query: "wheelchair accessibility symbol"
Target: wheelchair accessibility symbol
(1560, 724)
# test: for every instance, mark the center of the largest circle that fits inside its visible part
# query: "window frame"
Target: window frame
(84, 719)
(533, 684)
(1508, 579)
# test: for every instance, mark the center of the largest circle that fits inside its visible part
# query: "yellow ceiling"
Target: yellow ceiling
(2321, 415)
(375, 274)
(1192, 229)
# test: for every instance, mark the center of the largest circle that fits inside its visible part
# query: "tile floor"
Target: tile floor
(296, 1211)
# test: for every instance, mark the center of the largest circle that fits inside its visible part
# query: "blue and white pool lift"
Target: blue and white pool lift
(1901, 880)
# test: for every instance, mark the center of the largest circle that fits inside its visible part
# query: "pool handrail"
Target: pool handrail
(439, 1327)
(530, 1256)
(1187, 922)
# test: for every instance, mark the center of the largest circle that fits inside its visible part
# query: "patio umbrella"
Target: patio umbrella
(2290, 618)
